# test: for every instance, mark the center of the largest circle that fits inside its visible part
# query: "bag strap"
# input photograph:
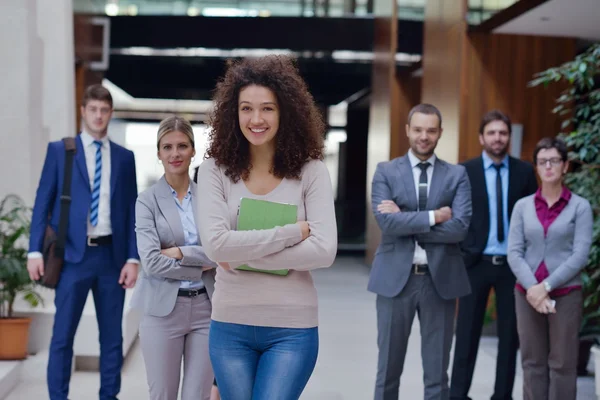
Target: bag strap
(65, 198)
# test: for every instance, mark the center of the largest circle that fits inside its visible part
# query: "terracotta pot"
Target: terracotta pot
(14, 337)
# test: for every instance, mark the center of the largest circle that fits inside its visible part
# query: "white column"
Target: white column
(37, 87)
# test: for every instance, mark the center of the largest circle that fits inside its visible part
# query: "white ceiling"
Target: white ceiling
(562, 18)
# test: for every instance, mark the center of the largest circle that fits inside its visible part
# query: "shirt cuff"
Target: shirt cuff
(34, 254)
(132, 261)
(431, 218)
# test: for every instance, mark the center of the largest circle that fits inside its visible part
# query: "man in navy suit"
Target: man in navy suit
(101, 250)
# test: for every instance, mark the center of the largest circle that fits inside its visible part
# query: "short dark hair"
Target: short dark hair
(427, 109)
(551, 143)
(495, 115)
(96, 92)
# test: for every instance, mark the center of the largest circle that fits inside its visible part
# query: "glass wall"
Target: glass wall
(223, 8)
(479, 10)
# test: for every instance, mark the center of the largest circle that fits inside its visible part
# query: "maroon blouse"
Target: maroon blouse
(547, 215)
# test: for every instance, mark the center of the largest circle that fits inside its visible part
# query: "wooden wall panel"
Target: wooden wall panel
(444, 33)
(88, 48)
(495, 74)
(408, 96)
(383, 118)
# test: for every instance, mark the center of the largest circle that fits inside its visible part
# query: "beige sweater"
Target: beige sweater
(255, 298)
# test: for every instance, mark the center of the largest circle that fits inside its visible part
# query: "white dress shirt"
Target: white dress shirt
(420, 256)
(103, 228)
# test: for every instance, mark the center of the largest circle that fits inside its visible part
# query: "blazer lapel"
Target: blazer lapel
(114, 167)
(406, 175)
(194, 204)
(513, 187)
(166, 203)
(437, 182)
(80, 162)
(480, 186)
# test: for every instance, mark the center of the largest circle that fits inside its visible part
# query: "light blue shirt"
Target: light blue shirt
(190, 233)
(494, 247)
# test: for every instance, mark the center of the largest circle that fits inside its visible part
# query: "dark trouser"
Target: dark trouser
(96, 272)
(471, 310)
(394, 322)
(549, 346)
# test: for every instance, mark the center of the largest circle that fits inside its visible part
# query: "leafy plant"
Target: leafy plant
(579, 104)
(15, 220)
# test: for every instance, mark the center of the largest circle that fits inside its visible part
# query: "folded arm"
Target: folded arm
(194, 256)
(405, 223)
(454, 230)
(221, 243)
(320, 248)
(153, 262)
(516, 249)
(582, 242)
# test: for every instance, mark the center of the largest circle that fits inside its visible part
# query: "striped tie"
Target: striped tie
(96, 185)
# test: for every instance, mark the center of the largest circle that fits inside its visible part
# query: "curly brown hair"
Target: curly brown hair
(301, 127)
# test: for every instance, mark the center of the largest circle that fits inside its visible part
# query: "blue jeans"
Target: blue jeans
(262, 363)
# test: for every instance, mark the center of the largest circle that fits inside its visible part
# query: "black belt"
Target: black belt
(420, 269)
(99, 240)
(191, 292)
(495, 260)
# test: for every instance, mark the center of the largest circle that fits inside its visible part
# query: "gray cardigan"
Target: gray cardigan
(565, 249)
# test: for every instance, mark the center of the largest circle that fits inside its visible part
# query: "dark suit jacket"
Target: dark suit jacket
(392, 264)
(123, 193)
(521, 182)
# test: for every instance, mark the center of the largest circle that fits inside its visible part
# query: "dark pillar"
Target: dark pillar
(352, 177)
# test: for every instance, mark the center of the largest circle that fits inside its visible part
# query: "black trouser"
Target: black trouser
(471, 310)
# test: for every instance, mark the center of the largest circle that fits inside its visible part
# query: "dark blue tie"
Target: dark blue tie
(499, 204)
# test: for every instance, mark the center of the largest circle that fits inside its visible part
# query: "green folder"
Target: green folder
(256, 214)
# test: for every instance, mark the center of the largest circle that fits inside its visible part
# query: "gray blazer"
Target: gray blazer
(158, 226)
(393, 180)
(565, 249)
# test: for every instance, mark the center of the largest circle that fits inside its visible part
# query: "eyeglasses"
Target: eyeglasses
(555, 162)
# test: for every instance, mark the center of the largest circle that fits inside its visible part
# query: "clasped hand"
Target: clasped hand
(538, 298)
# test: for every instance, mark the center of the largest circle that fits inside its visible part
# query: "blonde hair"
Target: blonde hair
(174, 124)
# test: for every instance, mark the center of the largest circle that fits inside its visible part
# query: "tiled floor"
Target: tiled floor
(347, 358)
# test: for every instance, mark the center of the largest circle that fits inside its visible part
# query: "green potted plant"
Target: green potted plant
(579, 103)
(14, 279)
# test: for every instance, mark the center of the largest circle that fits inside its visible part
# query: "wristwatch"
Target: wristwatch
(547, 286)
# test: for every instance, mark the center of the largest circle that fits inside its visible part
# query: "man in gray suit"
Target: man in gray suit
(423, 207)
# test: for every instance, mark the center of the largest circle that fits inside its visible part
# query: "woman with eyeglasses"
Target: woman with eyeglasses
(548, 245)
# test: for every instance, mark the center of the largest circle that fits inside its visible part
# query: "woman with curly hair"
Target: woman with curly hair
(266, 143)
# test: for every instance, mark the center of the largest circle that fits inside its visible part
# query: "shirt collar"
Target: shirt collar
(565, 195)
(414, 160)
(488, 162)
(174, 192)
(88, 140)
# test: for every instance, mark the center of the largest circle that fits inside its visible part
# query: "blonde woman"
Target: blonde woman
(177, 278)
